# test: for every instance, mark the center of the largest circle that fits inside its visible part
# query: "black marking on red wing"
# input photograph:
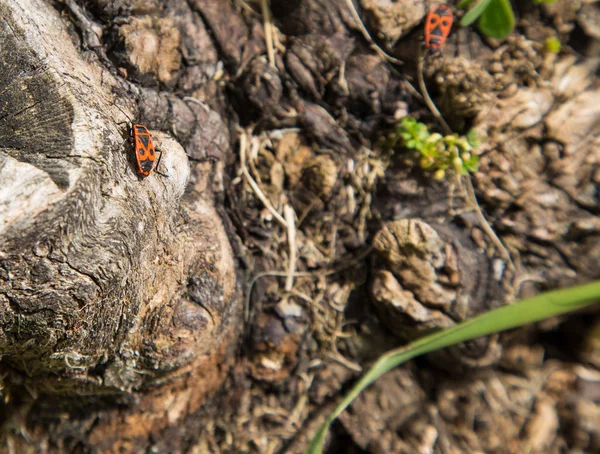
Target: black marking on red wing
(144, 140)
(147, 165)
(437, 31)
(443, 12)
(142, 129)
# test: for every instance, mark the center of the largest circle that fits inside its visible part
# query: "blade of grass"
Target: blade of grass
(498, 19)
(521, 313)
(472, 15)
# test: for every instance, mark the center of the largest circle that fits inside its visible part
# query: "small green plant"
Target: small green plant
(553, 44)
(495, 17)
(439, 153)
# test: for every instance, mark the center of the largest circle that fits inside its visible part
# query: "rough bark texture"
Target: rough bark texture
(118, 301)
(120, 320)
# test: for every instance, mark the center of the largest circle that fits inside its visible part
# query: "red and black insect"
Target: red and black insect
(437, 26)
(145, 153)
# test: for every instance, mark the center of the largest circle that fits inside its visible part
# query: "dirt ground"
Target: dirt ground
(388, 250)
(347, 248)
(384, 252)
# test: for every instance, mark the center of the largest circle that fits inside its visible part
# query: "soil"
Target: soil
(347, 248)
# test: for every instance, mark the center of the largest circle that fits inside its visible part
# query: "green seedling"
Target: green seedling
(495, 18)
(440, 153)
(553, 44)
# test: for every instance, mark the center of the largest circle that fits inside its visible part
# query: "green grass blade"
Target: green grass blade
(498, 19)
(525, 311)
(472, 15)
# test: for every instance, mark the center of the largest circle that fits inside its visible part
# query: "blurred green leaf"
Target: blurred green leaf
(472, 15)
(437, 152)
(553, 44)
(473, 138)
(497, 20)
(471, 163)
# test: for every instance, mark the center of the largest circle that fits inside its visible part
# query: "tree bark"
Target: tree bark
(118, 296)
(120, 309)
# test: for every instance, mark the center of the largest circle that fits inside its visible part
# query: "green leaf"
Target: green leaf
(433, 138)
(472, 15)
(473, 138)
(498, 20)
(426, 162)
(429, 150)
(407, 121)
(421, 130)
(411, 144)
(552, 44)
(463, 144)
(471, 164)
(526, 311)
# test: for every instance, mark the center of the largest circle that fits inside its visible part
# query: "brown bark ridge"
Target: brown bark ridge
(117, 294)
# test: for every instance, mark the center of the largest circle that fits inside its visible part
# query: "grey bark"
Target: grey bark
(110, 285)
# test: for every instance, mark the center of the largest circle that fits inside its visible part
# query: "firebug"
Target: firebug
(437, 26)
(145, 153)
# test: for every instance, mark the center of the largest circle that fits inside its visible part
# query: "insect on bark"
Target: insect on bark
(437, 26)
(145, 153)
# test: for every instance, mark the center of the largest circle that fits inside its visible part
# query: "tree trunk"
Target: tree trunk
(118, 300)
(123, 327)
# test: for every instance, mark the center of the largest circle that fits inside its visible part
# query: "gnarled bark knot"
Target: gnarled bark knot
(109, 284)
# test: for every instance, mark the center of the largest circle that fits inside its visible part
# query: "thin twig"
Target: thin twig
(335, 270)
(470, 191)
(268, 25)
(337, 356)
(432, 107)
(367, 36)
(472, 201)
(257, 191)
(265, 274)
(288, 212)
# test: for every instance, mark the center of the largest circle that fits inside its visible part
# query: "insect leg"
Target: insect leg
(158, 163)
